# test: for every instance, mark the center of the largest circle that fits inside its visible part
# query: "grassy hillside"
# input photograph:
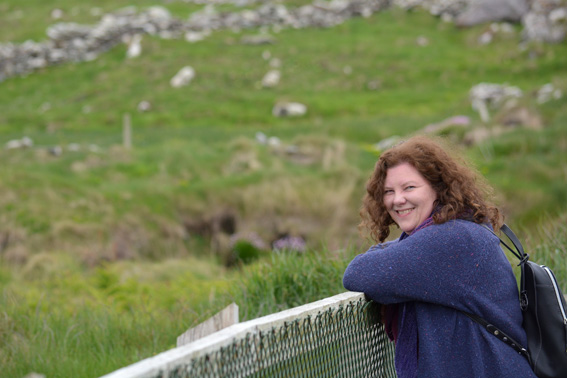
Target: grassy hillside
(109, 253)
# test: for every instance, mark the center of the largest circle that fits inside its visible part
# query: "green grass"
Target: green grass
(98, 267)
(68, 322)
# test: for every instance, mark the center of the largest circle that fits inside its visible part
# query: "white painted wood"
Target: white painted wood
(224, 318)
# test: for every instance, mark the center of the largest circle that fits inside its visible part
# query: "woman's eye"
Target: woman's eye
(410, 187)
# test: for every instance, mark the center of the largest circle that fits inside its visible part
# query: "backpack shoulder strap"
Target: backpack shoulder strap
(521, 255)
(500, 335)
(514, 239)
(518, 249)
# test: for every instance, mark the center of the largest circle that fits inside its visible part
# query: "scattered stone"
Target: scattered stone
(196, 36)
(547, 93)
(481, 11)
(56, 14)
(261, 137)
(34, 375)
(274, 142)
(15, 144)
(545, 23)
(134, 46)
(144, 106)
(347, 70)
(487, 95)
(485, 38)
(183, 77)
(446, 9)
(289, 109)
(55, 151)
(271, 79)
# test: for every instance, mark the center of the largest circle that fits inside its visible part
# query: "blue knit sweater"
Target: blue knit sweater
(440, 269)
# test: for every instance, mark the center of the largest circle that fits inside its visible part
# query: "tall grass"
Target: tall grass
(88, 324)
(65, 321)
(553, 250)
(288, 280)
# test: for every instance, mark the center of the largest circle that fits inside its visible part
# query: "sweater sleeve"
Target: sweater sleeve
(434, 265)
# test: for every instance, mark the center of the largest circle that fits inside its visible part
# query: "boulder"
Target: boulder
(481, 11)
(545, 24)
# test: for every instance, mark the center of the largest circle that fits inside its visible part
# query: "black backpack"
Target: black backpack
(544, 316)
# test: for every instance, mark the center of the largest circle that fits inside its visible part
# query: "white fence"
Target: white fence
(357, 343)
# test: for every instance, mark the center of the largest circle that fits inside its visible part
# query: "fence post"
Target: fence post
(222, 319)
(127, 131)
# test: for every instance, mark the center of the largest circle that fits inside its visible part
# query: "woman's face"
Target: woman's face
(408, 196)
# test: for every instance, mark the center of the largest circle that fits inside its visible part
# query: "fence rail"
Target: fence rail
(339, 336)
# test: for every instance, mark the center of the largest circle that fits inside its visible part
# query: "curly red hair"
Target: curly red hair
(461, 191)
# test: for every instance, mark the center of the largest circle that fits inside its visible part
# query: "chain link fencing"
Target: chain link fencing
(341, 336)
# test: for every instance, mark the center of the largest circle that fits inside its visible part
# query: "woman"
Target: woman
(446, 261)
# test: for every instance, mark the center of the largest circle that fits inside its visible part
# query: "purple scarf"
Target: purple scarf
(401, 326)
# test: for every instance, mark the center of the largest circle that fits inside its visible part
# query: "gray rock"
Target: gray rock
(488, 95)
(545, 24)
(271, 79)
(547, 93)
(289, 109)
(481, 11)
(34, 375)
(15, 144)
(183, 77)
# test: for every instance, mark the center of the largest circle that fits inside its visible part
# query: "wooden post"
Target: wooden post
(223, 319)
(127, 131)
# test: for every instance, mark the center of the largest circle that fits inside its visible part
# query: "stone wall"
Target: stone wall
(70, 42)
(544, 20)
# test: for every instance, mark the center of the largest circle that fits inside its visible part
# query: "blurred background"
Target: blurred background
(163, 158)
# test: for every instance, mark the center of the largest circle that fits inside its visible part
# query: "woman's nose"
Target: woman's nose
(399, 198)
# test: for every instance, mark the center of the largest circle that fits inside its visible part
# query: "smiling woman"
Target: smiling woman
(445, 263)
(408, 197)
(459, 190)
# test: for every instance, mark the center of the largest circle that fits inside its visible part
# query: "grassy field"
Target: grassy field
(107, 253)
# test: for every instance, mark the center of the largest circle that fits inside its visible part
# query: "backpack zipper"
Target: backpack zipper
(558, 297)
